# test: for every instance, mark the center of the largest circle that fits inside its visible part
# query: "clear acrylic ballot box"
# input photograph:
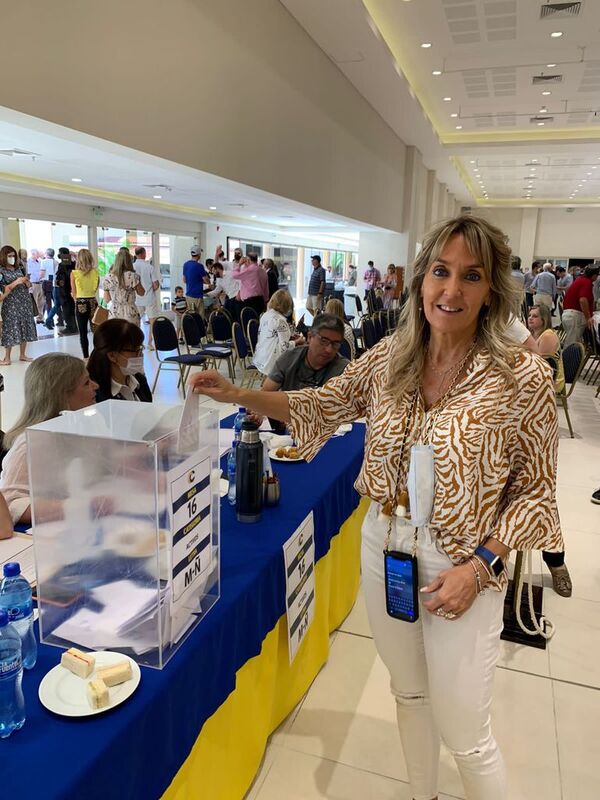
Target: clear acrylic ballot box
(125, 505)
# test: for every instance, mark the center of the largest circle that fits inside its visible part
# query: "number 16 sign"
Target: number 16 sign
(190, 524)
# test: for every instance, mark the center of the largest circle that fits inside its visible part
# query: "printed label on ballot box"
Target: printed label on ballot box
(299, 557)
(191, 527)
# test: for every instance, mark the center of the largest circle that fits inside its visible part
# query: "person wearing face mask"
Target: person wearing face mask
(53, 383)
(18, 325)
(116, 363)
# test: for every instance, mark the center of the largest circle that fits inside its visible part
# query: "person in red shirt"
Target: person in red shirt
(578, 305)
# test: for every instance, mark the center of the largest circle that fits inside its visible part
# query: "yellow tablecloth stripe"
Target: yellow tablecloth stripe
(229, 749)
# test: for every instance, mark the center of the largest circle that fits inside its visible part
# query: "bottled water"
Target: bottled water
(12, 702)
(237, 422)
(15, 599)
(231, 463)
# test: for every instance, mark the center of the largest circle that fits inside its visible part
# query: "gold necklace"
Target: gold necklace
(455, 368)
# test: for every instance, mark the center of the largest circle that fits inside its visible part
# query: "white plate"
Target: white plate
(65, 694)
(273, 457)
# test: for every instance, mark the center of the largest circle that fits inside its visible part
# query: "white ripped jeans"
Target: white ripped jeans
(442, 671)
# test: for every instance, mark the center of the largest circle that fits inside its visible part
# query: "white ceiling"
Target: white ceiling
(124, 178)
(488, 53)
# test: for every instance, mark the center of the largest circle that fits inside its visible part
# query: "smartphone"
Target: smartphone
(401, 586)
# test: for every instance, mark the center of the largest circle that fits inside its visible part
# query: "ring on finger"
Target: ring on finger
(441, 612)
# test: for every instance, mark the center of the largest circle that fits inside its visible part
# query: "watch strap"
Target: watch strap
(494, 562)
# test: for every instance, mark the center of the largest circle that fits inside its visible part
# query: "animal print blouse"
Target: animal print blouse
(495, 447)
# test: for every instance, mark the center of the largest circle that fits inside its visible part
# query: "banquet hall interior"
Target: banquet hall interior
(289, 129)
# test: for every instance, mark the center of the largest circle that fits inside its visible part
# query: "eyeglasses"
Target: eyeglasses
(326, 342)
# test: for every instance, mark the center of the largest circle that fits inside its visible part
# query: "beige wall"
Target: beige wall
(564, 234)
(509, 220)
(235, 88)
(548, 232)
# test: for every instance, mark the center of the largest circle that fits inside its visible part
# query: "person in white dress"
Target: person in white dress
(121, 286)
(275, 335)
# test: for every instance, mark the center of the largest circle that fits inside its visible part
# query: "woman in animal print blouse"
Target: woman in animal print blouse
(449, 377)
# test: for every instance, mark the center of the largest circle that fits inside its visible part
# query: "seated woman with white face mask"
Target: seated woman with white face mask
(116, 363)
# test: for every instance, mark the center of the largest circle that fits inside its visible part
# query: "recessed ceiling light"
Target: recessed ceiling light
(550, 65)
(454, 116)
(425, 45)
(595, 166)
(76, 180)
(253, 216)
(543, 110)
(556, 34)
(459, 127)
(588, 173)
(541, 123)
(474, 162)
(157, 196)
(212, 208)
(447, 99)
(437, 72)
(584, 180)
(546, 93)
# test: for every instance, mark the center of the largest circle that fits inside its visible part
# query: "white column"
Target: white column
(92, 237)
(529, 225)
(156, 248)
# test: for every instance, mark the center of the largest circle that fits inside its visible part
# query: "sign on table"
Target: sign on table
(299, 557)
(191, 525)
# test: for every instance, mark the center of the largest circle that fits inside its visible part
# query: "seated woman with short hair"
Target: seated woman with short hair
(539, 323)
(53, 383)
(117, 363)
(275, 336)
(336, 307)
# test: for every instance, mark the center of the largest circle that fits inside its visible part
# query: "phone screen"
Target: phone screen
(401, 586)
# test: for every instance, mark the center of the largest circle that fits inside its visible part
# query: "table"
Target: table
(199, 727)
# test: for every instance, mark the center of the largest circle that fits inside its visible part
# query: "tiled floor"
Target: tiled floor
(341, 742)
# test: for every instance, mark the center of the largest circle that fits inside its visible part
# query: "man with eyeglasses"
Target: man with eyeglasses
(309, 366)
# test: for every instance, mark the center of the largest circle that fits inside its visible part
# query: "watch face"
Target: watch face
(497, 566)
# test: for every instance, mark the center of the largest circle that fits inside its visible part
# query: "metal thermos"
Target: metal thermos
(249, 474)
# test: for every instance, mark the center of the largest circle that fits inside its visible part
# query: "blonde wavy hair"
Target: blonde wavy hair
(123, 263)
(85, 260)
(282, 301)
(488, 246)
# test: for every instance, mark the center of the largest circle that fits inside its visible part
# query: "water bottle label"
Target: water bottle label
(16, 613)
(10, 668)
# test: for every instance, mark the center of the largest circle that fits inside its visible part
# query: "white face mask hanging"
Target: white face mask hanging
(421, 484)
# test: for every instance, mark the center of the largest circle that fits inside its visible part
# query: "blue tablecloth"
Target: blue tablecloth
(135, 750)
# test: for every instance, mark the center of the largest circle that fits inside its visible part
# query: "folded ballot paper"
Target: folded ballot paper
(127, 618)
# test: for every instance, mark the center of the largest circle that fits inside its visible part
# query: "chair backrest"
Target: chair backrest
(378, 326)
(239, 341)
(252, 334)
(573, 357)
(359, 306)
(553, 364)
(368, 333)
(378, 303)
(371, 302)
(219, 326)
(200, 323)
(191, 333)
(246, 314)
(165, 335)
(345, 351)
